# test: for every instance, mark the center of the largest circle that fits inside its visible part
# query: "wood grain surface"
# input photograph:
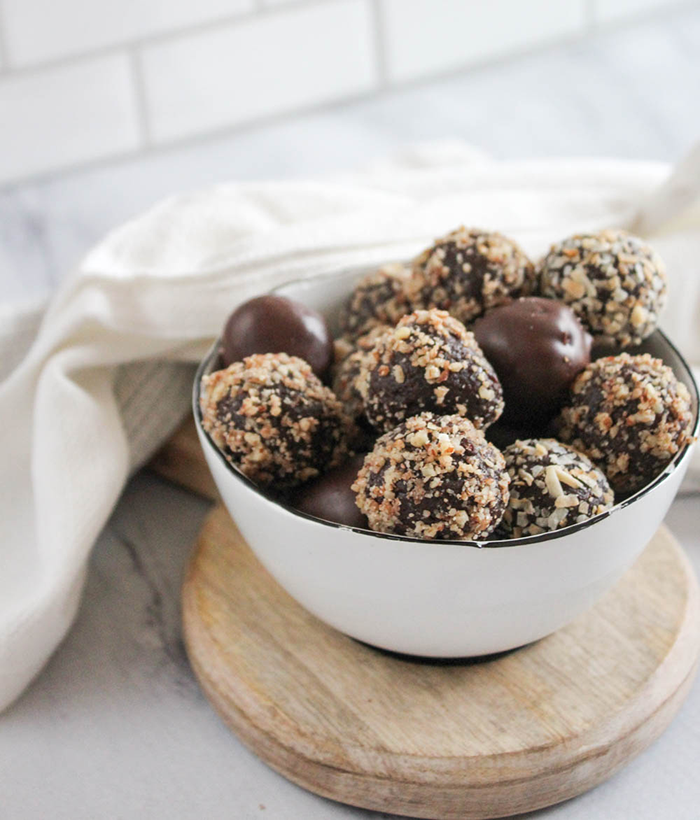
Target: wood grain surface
(474, 739)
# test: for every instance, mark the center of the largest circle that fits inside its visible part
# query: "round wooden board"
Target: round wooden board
(452, 739)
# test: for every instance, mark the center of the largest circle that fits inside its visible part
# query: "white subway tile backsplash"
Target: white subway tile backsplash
(271, 64)
(605, 11)
(65, 115)
(180, 68)
(39, 30)
(424, 37)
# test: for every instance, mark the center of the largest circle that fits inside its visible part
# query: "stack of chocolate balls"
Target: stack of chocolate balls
(459, 400)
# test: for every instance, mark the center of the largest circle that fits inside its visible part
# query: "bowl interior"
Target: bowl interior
(327, 293)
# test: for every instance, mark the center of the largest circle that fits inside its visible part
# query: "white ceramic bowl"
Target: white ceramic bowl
(442, 598)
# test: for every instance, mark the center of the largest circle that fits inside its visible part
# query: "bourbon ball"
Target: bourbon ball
(613, 281)
(469, 272)
(347, 380)
(429, 362)
(274, 420)
(380, 298)
(537, 347)
(349, 370)
(630, 415)
(330, 496)
(551, 486)
(275, 324)
(433, 477)
(344, 347)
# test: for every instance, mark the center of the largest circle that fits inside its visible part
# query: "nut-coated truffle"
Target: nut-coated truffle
(433, 477)
(349, 370)
(344, 346)
(273, 419)
(613, 281)
(536, 346)
(551, 486)
(470, 271)
(429, 362)
(630, 415)
(275, 324)
(330, 496)
(380, 298)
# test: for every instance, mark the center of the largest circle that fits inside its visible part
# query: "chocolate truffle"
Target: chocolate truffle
(379, 298)
(551, 486)
(537, 346)
(429, 361)
(275, 324)
(433, 477)
(273, 419)
(330, 497)
(347, 375)
(613, 281)
(630, 415)
(470, 271)
(344, 346)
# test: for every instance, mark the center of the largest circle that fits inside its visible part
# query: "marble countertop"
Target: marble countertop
(115, 726)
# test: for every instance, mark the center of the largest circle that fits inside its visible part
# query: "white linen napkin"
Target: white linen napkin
(107, 379)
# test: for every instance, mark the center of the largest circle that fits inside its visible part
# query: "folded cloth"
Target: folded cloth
(108, 375)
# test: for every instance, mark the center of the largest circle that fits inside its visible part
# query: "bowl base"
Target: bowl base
(457, 739)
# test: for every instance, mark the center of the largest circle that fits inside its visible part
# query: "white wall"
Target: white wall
(86, 80)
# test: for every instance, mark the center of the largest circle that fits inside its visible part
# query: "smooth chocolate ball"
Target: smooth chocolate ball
(537, 347)
(502, 435)
(330, 497)
(275, 324)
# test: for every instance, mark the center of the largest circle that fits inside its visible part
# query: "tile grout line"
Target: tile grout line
(139, 88)
(380, 44)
